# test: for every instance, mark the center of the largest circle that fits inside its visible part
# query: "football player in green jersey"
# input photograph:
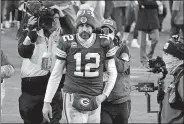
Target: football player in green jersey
(83, 54)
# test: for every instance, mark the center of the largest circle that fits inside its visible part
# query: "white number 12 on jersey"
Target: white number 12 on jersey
(87, 72)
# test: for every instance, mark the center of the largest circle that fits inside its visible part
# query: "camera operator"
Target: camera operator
(31, 7)
(36, 47)
(116, 109)
(173, 103)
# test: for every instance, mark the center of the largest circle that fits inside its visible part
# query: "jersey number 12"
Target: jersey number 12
(88, 66)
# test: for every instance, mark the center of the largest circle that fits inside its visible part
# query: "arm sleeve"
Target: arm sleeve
(54, 80)
(25, 51)
(181, 88)
(123, 60)
(62, 48)
(112, 72)
(67, 25)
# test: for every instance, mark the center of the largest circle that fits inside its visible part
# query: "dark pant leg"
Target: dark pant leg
(154, 35)
(30, 108)
(170, 4)
(124, 15)
(142, 40)
(116, 113)
(124, 113)
(135, 34)
(106, 115)
(57, 107)
(129, 18)
(162, 16)
(117, 16)
(8, 10)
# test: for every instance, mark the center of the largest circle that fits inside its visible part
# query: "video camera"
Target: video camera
(101, 31)
(43, 14)
(156, 65)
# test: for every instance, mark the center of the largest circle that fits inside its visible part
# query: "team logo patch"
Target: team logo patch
(125, 56)
(166, 45)
(108, 22)
(73, 45)
(84, 102)
(83, 19)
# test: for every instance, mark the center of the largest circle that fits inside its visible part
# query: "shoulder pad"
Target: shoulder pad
(67, 38)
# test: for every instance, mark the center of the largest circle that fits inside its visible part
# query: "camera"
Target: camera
(100, 31)
(103, 30)
(43, 14)
(156, 64)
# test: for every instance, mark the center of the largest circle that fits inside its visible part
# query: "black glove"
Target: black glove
(33, 36)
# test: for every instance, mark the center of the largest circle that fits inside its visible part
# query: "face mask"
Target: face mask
(171, 62)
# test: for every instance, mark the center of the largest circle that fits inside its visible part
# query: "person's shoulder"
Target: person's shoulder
(125, 47)
(66, 40)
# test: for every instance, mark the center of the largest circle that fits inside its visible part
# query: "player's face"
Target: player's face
(85, 31)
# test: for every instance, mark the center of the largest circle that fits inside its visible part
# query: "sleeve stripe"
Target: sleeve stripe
(60, 53)
(112, 51)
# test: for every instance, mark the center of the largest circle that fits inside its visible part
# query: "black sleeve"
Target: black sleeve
(109, 6)
(25, 51)
(67, 25)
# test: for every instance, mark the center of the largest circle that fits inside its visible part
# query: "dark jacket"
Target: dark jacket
(121, 91)
(148, 16)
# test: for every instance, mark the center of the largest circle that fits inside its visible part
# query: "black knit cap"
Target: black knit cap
(175, 47)
(86, 16)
